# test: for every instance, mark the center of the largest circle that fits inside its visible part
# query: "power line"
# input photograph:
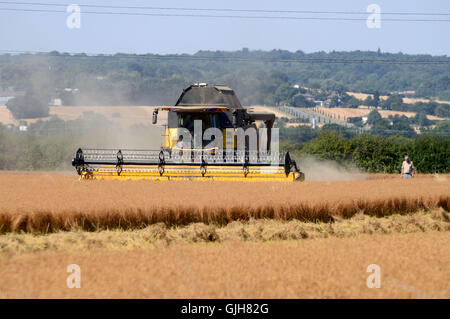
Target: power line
(221, 16)
(225, 59)
(224, 9)
(354, 130)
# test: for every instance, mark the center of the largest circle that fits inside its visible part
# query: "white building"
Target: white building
(5, 99)
(318, 103)
(56, 102)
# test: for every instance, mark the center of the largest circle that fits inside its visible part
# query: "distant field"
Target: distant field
(343, 113)
(407, 100)
(266, 109)
(6, 116)
(124, 115)
(130, 115)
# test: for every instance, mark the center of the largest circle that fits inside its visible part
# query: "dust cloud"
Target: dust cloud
(322, 170)
(109, 124)
(118, 135)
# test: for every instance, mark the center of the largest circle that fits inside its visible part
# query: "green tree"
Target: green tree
(352, 102)
(373, 117)
(329, 145)
(376, 98)
(374, 153)
(334, 101)
(393, 102)
(421, 119)
(284, 93)
(298, 134)
(442, 127)
(442, 110)
(402, 125)
(431, 153)
(301, 101)
(28, 106)
(369, 101)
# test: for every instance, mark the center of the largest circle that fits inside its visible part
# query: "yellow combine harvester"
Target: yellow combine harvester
(201, 112)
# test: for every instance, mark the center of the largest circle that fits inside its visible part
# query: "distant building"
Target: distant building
(71, 90)
(55, 102)
(319, 103)
(5, 99)
(409, 92)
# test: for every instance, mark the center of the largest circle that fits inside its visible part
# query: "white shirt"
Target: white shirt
(407, 168)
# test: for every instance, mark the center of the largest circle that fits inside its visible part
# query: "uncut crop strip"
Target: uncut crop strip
(47, 222)
(50, 203)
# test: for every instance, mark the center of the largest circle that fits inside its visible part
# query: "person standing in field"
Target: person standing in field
(407, 168)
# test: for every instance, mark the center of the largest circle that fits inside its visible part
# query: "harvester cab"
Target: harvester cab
(239, 151)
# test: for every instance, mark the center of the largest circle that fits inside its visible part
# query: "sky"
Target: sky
(43, 31)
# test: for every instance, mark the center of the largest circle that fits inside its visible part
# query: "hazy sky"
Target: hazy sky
(33, 31)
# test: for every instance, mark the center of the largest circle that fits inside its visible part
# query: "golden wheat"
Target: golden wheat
(255, 230)
(44, 203)
(343, 113)
(412, 266)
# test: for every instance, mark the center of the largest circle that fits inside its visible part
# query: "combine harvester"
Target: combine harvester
(199, 109)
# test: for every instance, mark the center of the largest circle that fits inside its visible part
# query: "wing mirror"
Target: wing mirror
(155, 116)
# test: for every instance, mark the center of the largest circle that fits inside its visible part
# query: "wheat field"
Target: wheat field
(125, 116)
(407, 100)
(344, 113)
(46, 203)
(142, 239)
(254, 230)
(412, 266)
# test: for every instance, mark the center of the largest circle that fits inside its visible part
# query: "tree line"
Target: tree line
(50, 145)
(258, 77)
(377, 154)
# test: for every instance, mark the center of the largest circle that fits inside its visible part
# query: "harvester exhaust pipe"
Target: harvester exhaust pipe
(155, 116)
